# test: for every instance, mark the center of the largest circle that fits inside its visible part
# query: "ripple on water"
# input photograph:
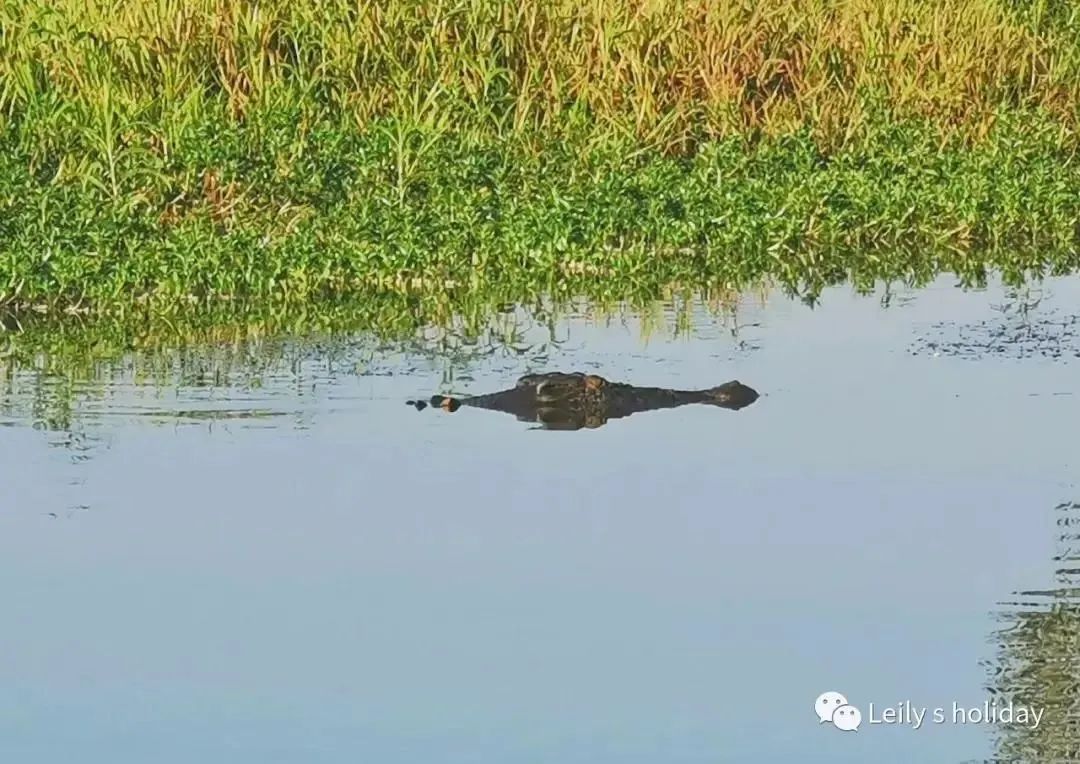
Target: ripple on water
(1023, 328)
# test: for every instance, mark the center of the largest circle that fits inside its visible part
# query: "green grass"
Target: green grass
(175, 155)
(334, 219)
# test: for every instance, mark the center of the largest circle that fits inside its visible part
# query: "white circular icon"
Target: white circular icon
(847, 718)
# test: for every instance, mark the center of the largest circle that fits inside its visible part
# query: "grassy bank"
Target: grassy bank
(173, 154)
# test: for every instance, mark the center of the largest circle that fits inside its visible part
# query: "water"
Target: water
(274, 560)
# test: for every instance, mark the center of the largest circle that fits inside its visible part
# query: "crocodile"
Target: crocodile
(572, 400)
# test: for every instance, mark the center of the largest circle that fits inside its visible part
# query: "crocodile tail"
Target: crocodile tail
(731, 395)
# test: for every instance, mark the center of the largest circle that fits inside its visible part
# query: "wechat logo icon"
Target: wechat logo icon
(834, 707)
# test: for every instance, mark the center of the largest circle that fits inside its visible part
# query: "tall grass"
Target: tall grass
(668, 72)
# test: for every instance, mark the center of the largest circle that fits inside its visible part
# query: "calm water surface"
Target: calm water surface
(287, 564)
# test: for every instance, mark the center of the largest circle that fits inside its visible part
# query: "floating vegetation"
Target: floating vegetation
(1021, 329)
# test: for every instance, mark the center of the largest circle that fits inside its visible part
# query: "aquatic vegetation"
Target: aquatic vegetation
(470, 220)
(175, 155)
(1018, 329)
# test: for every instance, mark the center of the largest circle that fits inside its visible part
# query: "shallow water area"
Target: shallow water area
(265, 556)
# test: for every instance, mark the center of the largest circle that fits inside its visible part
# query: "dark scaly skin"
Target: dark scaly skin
(570, 401)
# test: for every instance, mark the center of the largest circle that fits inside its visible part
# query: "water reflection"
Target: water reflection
(1038, 657)
(74, 378)
(571, 401)
(584, 607)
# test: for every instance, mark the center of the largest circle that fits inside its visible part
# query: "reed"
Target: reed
(668, 72)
